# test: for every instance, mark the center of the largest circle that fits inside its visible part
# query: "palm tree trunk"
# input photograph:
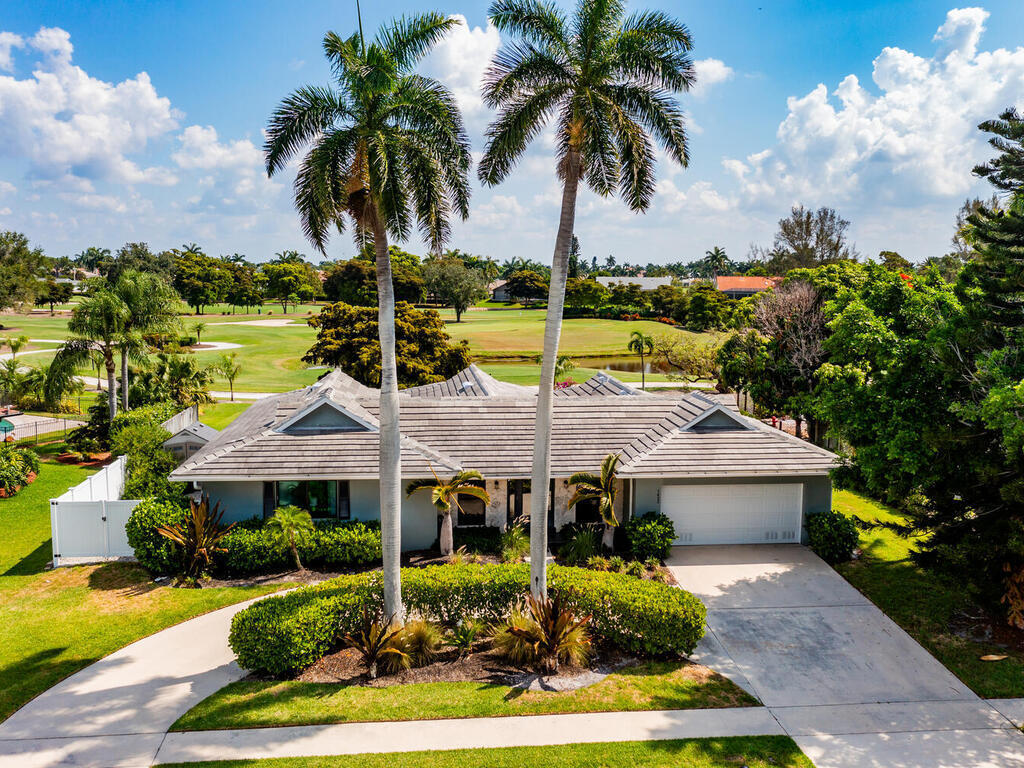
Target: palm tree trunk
(390, 436)
(108, 363)
(295, 554)
(124, 378)
(643, 373)
(608, 538)
(447, 537)
(545, 394)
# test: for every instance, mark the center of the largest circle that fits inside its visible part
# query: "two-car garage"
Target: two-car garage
(737, 513)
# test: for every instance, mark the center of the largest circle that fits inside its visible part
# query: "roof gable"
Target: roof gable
(718, 418)
(323, 417)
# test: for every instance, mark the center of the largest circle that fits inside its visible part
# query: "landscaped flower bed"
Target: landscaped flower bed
(18, 468)
(283, 635)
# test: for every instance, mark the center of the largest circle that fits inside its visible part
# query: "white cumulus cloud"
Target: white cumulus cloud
(459, 61)
(67, 124)
(913, 136)
(710, 72)
(8, 42)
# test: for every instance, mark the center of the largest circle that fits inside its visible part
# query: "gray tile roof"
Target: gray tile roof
(447, 428)
(599, 384)
(197, 431)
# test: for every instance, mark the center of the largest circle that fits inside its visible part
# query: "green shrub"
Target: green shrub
(617, 564)
(284, 634)
(515, 544)
(252, 549)
(150, 415)
(482, 541)
(16, 464)
(832, 536)
(581, 543)
(148, 463)
(158, 555)
(650, 536)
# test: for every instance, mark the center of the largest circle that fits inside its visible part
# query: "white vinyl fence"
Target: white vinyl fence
(182, 419)
(88, 521)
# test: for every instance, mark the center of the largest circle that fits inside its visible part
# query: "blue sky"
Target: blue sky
(142, 121)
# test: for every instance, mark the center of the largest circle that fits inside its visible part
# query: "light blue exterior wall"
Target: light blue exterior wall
(817, 493)
(243, 500)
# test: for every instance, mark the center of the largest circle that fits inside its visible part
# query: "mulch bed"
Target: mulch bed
(29, 479)
(484, 665)
(93, 460)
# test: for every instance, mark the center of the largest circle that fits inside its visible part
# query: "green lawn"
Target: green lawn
(529, 373)
(649, 685)
(54, 622)
(750, 751)
(271, 356)
(219, 415)
(924, 604)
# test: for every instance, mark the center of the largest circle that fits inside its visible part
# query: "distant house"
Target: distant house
(498, 291)
(741, 286)
(645, 283)
(189, 440)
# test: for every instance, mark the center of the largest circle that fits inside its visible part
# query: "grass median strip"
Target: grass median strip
(750, 751)
(649, 685)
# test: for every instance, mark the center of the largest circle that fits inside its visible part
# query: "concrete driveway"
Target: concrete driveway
(850, 686)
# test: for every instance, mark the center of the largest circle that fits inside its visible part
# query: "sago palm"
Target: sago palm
(643, 345)
(608, 81)
(386, 149)
(445, 495)
(602, 489)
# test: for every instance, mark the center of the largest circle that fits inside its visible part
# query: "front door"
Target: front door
(519, 502)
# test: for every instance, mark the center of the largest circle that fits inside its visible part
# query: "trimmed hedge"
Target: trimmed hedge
(282, 635)
(832, 536)
(651, 536)
(335, 544)
(153, 551)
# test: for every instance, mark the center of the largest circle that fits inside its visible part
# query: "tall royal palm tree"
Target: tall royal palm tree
(97, 327)
(152, 308)
(603, 489)
(445, 495)
(643, 345)
(716, 261)
(386, 149)
(608, 81)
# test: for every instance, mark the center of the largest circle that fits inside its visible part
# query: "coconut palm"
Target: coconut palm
(386, 148)
(641, 344)
(715, 261)
(608, 81)
(15, 344)
(602, 488)
(291, 527)
(152, 309)
(97, 326)
(229, 368)
(445, 495)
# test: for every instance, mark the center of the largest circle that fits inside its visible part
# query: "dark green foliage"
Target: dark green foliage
(347, 337)
(832, 536)
(251, 549)
(581, 542)
(153, 551)
(515, 544)
(544, 634)
(650, 536)
(198, 538)
(378, 640)
(138, 435)
(94, 435)
(284, 634)
(481, 541)
(15, 466)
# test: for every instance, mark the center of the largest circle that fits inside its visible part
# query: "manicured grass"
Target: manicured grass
(529, 373)
(750, 751)
(219, 415)
(649, 685)
(54, 622)
(924, 604)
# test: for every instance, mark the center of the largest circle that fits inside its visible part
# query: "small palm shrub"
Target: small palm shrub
(465, 634)
(617, 564)
(581, 545)
(636, 568)
(291, 528)
(543, 634)
(833, 536)
(598, 563)
(378, 641)
(421, 640)
(198, 538)
(515, 544)
(650, 536)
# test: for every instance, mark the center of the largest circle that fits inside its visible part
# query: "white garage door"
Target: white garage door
(734, 514)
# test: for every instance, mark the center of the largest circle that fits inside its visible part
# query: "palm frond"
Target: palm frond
(594, 23)
(320, 186)
(518, 69)
(636, 171)
(519, 122)
(659, 113)
(300, 118)
(540, 23)
(409, 39)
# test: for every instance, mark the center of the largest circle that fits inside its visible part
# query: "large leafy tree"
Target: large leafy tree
(607, 80)
(21, 267)
(200, 279)
(454, 284)
(348, 337)
(385, 148)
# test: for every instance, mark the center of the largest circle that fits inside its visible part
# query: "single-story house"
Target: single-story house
(189, 440)
(498, 290)
(742, 286)
(645, 283)
(722, 477)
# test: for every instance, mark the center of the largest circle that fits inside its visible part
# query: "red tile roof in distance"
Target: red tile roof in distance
(746, 283)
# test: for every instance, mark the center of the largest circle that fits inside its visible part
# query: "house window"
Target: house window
(321, 498)
(519, 500)
(588, 511)
(471, 511)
